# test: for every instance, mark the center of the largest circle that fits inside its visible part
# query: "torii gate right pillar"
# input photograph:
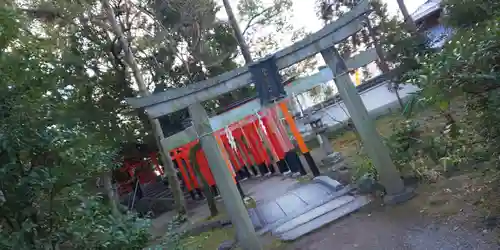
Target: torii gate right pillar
(388, 174)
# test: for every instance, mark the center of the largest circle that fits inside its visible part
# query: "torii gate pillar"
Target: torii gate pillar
(232, 200)
(378, 152)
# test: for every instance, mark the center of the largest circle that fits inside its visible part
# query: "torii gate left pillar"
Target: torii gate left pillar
(225, 181)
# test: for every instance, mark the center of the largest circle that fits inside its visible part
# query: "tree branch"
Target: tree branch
(250, 24)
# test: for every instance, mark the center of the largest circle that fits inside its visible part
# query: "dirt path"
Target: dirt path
(395, 228)
(441, 217)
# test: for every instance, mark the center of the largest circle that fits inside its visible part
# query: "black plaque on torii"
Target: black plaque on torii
(268, 81)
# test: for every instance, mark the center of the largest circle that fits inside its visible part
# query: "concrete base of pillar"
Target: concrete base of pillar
(312, 165)
(199, 194)
(192, 194)
(263, 169)
(254, 171)
(283, 168)
(294, 163)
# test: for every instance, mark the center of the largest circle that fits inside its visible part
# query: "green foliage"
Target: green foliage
(402, 47)
(415, 102)
(268, 28)
(465, 70)
(8, 27)
(49, 157)
(417, 154)
(467, 66)
(94, 228)
(172, 239)
(466, 13)
(364, 169)
(330, 10)
(258, 16)
(403, 142)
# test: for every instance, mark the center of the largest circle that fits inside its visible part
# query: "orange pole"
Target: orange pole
(293, 127)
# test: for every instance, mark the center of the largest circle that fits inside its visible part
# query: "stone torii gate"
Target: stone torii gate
(322, 42)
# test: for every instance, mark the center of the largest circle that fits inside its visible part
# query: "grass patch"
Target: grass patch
(212, 240)
(219, 216)
(249, 202)
(304, 179)
(276, 244)
(349, 144)
(208, 240)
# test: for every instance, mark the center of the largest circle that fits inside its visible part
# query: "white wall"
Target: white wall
(378, 100)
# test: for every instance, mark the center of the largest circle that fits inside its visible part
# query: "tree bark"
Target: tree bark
(384, 67)
(245, 51)
(410, 24)
(110, 192)
(382, 62)
(400, 101)
(158, 134)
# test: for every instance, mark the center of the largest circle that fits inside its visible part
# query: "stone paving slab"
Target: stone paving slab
(262, 190)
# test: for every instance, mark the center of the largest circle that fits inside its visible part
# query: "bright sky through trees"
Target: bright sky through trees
(304, 12)
(304, 16)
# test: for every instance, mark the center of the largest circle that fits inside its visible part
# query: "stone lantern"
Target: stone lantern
(319, 128)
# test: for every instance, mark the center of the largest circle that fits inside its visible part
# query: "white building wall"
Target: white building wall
(378, 101)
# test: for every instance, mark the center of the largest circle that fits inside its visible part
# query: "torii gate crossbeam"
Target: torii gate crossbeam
(298, 86)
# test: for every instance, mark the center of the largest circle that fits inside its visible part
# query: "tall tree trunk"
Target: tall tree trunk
(158, 134)
(400, 101)
(237, 32)
(384, 67)
(382, 62)
(410, 24)
(112, 195)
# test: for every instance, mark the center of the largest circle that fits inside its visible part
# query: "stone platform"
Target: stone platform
(305, 208)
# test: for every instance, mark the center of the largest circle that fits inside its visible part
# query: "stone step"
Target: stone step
(153, 187)
(159, 189)
(313, 213)
(160, 194)
(320, 216)
(269, 215)
(275, 224)
(305, 208)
